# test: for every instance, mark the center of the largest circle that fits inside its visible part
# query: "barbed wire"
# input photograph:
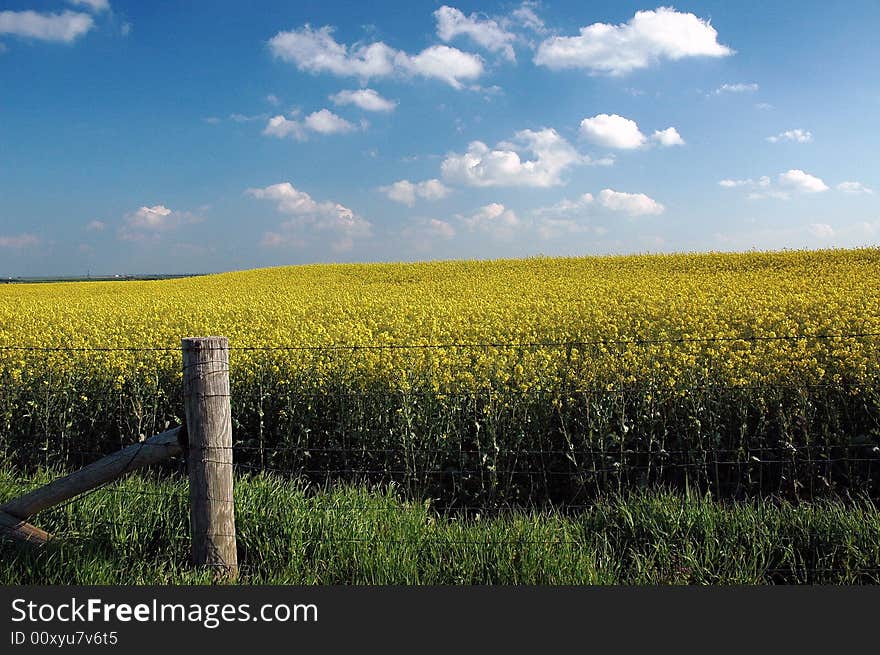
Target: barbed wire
(466, 345)
(72, 393)
(418, 448)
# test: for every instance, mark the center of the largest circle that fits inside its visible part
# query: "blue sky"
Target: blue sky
(210, 136)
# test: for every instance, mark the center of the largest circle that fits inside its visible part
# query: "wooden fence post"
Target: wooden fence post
(209, 428)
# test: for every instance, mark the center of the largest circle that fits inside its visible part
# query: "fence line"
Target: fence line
(465, 345)
(347, 460)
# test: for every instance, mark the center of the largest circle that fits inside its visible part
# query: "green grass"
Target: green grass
(136, 532)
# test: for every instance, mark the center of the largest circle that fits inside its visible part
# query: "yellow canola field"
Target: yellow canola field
(699, 313)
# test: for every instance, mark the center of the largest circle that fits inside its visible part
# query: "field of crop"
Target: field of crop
(512, 387)
(517, 380)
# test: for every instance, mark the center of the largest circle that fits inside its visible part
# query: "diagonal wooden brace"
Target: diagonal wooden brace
(14, 514)
(15, 528)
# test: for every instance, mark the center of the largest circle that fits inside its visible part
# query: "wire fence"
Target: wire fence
(576, 435)
(497, 448)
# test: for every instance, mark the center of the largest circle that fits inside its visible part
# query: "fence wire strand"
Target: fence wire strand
(577, 464)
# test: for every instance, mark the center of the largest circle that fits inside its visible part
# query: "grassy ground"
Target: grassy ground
(135, 532)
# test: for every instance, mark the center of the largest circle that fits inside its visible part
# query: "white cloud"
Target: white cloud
(483, 31)
(326, 122)
(769, 193)
(578, 216)
(244, 118)
(798, 180)
(273, 100)
(481, 166)
(444, 63)
(65, 27)
(854, 187)
(525, 15)
(366, 99)
(405, 192)
(310, 218)
(494, 219)
(648, 37)
(323, 121)
(738, 88)
(634, 204)
(763, 181)
(797, 136)
(566, 207)
(279, 126)
(93, 5)
(18, 241)
(821, 230)
(667, 137)
(763, 106)
(148, 223)
(792, 181)
(613, 131)
(157, 217)
(96, 226)
(316, 51)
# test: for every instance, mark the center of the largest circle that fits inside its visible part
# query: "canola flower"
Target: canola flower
(667, 321)
(583, 374)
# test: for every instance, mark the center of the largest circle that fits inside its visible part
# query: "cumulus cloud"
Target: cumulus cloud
(737, 88)
(482, 166)
(309, 218)
(65, 27)
(566, 207)
(494, 219)
(798, 180)
(613, 131)
(647, 38)
(279, 126)
(796, 136)
(485, 32)
(92, 5)
(366, 99)
(444, 63)
(326, 122)
(579, 215)
(667, 137)
(18, 241)
(633, 204)
(406, 192)
(323, 121)
(316, 51)
(854, 187)
(149, 223)
(792, 181)
(96, 226)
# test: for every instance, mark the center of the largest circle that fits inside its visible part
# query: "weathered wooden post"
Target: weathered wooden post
(209, 428)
